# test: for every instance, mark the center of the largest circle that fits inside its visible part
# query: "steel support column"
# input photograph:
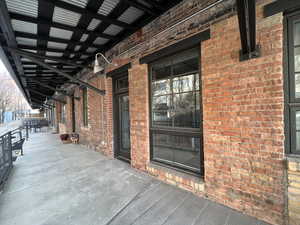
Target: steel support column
(247, 24)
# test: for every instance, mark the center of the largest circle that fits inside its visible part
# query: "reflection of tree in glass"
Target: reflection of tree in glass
(297, 85)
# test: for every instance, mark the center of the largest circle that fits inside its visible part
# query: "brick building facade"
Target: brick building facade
(242, 124)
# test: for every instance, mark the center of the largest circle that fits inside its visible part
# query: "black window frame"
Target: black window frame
(178, 131)
(85, 107)
(292, 104)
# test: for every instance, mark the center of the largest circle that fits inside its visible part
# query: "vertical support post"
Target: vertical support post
(247, 24)
(9, 149)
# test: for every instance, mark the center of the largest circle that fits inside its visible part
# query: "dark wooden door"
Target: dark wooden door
(121, 118)
(123, 127)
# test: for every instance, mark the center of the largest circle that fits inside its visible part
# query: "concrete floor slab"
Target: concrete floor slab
(55, 184)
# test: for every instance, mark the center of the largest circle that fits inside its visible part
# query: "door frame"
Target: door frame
(116, 116)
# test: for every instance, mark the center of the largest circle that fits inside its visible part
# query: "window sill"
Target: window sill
(293, 158)
(195, 178)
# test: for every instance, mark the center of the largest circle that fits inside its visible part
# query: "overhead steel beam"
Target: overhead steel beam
(40, 73)
(247, 24)
(28, 47)
(53, 39)
(51, 88)
(83, 11)
(50, 63)
(280, 6)
(33, 55)
(155, 4)
(45, 95)
(85, 84)
(141, 7)
(34, 68)
(58, 25)
(42, 102)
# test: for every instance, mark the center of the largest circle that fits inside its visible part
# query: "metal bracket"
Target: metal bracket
(251, 55)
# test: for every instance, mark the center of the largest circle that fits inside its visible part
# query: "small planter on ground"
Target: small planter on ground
(74, 137)
(65, 138)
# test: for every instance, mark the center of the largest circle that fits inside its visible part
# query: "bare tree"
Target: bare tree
(5, 98)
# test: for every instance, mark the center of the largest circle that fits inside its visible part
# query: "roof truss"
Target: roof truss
(65, 35)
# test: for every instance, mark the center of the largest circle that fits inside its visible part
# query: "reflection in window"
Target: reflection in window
(297, 59)
(176, 104)
(175, 99)
(183, 151)
(297, 33)
(293, 105)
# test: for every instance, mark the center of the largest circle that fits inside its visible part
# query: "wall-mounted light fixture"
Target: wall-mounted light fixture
(97, 67)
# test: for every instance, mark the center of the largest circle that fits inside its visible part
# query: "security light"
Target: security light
(97, 66)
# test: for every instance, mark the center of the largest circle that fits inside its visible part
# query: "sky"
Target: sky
(4, 75)
(2, 69)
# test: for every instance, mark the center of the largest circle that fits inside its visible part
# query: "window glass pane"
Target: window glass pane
(297, 33)
(122, 83)
(297, 59)
(297, 150)
(161, 80)
(181, 151)
(297, 85)
(161, 87)
(197, 83)
(161, 73)
(163, 147)
(183, 83)
(186, 66)
(189, 55)
(187, 151)
(175, 103)
(186, 110)
(161, 111)
(124, 120)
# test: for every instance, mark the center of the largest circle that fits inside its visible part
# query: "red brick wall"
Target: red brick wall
(108, 109)
(68, 122)
(94, 134)
(139, 115)
(243, 120)
(242, 110)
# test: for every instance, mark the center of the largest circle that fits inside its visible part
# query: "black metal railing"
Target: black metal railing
(6, 161)
(11, 145)
(35, 124)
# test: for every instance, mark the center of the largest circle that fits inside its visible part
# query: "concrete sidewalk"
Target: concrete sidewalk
(56, 184)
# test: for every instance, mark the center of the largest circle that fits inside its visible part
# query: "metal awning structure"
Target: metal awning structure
(65, 35)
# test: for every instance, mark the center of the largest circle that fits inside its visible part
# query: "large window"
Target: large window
(293, 87)
(84, 107)
(63, 113)
(176, 120)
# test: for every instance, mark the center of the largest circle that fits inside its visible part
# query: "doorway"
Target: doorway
(122, 118)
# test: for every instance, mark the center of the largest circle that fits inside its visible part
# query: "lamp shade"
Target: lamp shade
(97, 67)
